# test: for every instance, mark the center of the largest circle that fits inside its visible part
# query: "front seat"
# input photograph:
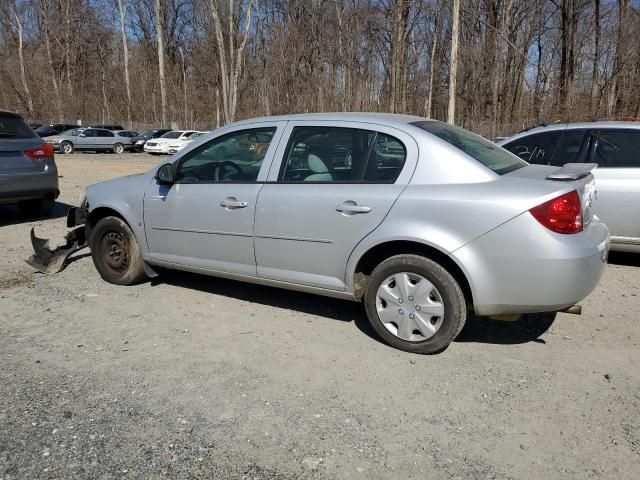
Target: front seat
(318, 167)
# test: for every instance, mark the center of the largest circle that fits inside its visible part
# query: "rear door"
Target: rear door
(617, 153)
(106, 139)
(334, 184)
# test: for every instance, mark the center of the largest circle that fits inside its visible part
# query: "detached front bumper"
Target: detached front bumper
(49, 261)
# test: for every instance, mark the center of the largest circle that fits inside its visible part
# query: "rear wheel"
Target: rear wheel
(40, 207)
(414, 304)
(118, 148)
(116, 253)
(66, 147)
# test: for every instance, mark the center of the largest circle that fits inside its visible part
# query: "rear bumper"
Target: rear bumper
(28, 186)
(521, 267)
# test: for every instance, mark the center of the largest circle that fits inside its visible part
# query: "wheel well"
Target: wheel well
(376, 255)
(102, 212)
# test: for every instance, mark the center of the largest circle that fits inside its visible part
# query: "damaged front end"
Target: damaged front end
(50, 261)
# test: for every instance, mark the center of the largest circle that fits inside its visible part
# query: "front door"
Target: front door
(335, 185)
(205, 219)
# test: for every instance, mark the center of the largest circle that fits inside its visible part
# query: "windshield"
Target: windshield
(149, 133)
(479, 148)
(172, 135)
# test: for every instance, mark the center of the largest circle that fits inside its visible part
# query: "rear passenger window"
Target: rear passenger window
(536, 149)
(105, 133)
(341, 155)
(15, 127)
(617, 149)
(568, 149)
(386, 160)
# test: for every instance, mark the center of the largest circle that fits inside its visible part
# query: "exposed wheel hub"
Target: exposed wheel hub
(410, 306)
(115, 251)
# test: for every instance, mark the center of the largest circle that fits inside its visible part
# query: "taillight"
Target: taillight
(41, 152)
(562, 214)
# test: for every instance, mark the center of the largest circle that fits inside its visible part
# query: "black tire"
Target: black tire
(116, 253)
(118, 148)
(455, 308)
(66, 148)
(40, 207)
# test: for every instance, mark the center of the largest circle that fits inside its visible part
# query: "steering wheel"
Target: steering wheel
(221, 170)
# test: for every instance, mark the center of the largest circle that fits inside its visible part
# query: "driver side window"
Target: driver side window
(232, 158)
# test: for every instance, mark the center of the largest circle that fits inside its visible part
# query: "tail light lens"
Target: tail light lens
(562, 214)
(40, 153)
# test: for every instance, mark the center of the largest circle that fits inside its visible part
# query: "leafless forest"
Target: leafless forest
(489, 65)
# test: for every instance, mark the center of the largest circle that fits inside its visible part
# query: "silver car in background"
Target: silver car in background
(28, 172)
(423, 222)
(92, 139)
(615, 147)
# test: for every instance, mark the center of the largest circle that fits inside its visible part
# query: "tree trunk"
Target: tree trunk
(231, 64)
(125, 55)
(432, 60)
(23, 72)
(44, 14)
(398, 54)
(595, 74)
(623, 7)
(453, 68)
(160, 21)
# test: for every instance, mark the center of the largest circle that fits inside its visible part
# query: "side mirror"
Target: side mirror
(82, 135)
(164, 175)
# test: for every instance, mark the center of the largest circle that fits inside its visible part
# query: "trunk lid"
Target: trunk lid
(13, 159)
(573, 175)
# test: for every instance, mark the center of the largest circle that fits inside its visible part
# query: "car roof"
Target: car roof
(365, 117)
(556, 127)
(10, 114)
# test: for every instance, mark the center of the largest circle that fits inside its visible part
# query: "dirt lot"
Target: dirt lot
(193, 377)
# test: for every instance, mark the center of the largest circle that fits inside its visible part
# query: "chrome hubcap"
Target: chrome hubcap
(410, 306)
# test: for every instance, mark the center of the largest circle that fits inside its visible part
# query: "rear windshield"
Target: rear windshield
(479, 148)
(172, 135)
(15, 127)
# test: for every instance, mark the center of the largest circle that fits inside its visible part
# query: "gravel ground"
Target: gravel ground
(195, 377)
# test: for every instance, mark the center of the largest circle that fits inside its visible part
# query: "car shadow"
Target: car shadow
(498, 332)
(624, 258)
(477, 329)
(12, 215)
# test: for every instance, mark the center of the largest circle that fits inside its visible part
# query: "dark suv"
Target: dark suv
(47, 130)
(28, 173)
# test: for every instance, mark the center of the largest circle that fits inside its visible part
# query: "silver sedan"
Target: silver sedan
(93, 139)
(423, 222)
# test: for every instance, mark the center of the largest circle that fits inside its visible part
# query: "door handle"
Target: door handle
(232, 203)
(351, 208)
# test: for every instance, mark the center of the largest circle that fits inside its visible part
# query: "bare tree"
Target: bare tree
(453, 68)
(160, 22)
(122, 9)
(230, 63)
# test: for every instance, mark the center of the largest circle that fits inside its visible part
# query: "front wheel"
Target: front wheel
(415, 304)
(118, 148)
(115, 252)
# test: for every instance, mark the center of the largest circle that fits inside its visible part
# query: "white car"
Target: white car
(161, 145)
(183, 142)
